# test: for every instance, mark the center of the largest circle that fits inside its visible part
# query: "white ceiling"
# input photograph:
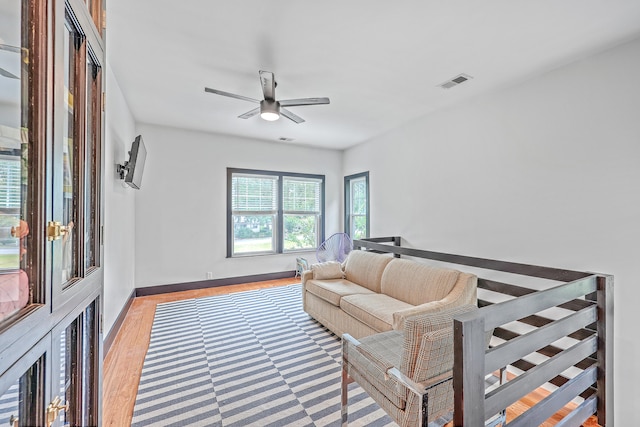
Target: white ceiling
(379, 61)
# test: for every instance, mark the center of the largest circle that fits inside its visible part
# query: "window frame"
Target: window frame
(280, 212)
(347, 203)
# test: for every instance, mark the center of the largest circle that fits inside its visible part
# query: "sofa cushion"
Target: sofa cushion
(375, 310)
(365, 268)
(416, 283)
(327, 270)
(332, 290)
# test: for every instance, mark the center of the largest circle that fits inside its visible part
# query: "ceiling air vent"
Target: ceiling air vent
(284, 139)
(459, 79)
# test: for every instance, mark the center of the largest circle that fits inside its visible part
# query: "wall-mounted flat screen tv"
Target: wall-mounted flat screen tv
(135, 165)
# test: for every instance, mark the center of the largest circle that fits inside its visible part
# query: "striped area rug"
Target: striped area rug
(245, 359)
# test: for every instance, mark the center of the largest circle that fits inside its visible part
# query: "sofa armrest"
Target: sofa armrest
(306, 275)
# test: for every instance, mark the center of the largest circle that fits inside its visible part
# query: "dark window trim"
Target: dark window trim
(347, 201)
(280, 211)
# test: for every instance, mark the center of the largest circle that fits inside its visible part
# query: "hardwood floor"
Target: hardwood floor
(123, 363)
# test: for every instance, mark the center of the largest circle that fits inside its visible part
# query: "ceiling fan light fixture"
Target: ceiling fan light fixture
(269, 110)
(270, 117)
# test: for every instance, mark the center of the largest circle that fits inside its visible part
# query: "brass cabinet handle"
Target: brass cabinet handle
(55, 230)
(54, 408)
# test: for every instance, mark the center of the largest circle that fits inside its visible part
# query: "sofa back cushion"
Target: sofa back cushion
(365, 268)
(416, 283)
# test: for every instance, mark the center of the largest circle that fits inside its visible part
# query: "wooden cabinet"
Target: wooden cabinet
(51, 275)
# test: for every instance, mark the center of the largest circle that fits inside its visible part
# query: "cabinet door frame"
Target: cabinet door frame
(20, 332)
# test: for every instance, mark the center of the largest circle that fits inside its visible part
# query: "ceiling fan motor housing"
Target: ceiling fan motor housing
(269, 109)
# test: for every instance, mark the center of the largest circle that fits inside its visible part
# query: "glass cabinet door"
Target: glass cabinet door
(22, 389)
(76, 156)
(16, 290)
(76, 368)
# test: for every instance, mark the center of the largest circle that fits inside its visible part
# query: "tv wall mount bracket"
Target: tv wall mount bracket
(122, 169)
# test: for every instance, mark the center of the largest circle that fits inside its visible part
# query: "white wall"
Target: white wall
(181, 208)
(119, 219)
(547, 172)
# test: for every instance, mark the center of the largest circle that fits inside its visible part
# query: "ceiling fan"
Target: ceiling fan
(269, 108)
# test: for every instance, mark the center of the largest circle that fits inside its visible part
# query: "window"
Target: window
(10, 203)
(273, 212)
(356, 203)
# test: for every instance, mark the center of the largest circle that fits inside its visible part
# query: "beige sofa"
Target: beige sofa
(378, 292)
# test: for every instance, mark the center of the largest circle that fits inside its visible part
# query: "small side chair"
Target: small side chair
(408, 372)
(301, 265)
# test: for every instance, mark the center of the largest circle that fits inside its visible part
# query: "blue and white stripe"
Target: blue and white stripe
(245, 359)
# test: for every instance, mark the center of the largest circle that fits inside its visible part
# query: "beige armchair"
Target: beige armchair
(408, 372)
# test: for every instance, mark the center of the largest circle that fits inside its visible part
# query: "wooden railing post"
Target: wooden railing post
(605, 350)
(468, 370)
(397, 241)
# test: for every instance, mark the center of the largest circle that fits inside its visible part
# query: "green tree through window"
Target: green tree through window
(356, 194)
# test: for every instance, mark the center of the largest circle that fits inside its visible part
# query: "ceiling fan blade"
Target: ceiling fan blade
(230, 95)
(289, 115)
(5, 73)
(303, 101)
(249, 114)
(268, 82)
(10, 48)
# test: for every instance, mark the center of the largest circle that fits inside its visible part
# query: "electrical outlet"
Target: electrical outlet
(209, 275)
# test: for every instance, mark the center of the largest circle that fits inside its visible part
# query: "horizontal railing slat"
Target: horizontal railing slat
(579, 415)
(502, 355)
(556, 400)
(576, 304)
(377, 240)
(490, 264)
(508, 311)
(522, 385)
(503, 288)
(559, 380)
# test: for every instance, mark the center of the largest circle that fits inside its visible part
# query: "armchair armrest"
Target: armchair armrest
(422, 387)
(351, 340)
(390, 371)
